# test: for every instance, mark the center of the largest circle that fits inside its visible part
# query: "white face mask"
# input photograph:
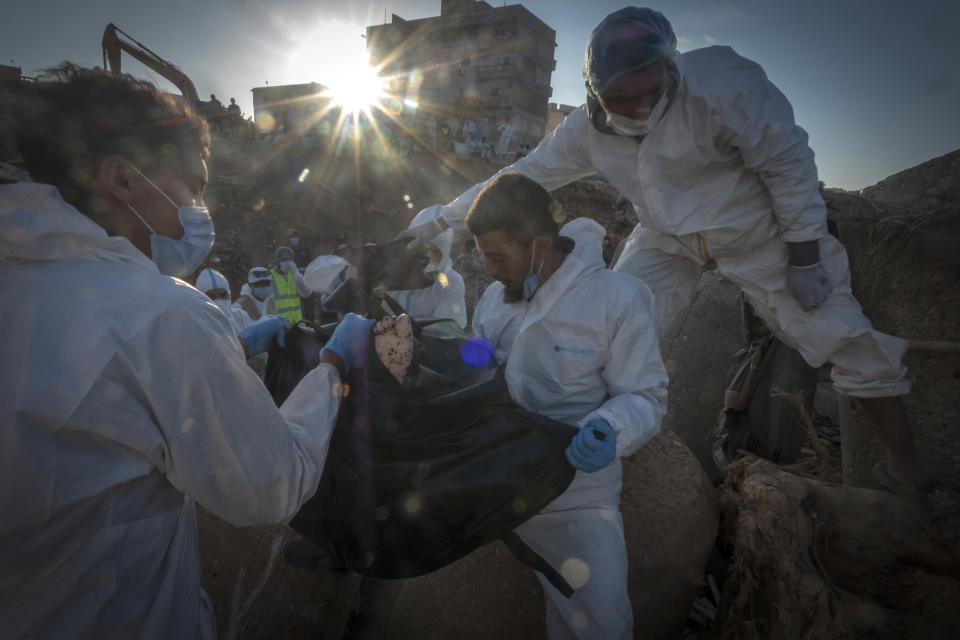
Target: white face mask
(261, 293)
(288, 266)
(179, 258)
(631, 127)
(223, 304)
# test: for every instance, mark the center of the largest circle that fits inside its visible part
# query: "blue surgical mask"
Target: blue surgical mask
(532, 282)
(294, 242)
(179, 258)
(261, 293)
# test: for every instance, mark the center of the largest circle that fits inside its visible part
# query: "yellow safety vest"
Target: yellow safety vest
(287, 298)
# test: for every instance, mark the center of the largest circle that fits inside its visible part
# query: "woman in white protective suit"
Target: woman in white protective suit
(579, 346)
(707, 149)
(126, 397)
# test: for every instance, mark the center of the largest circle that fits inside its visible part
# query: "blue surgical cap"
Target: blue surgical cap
(283, 253)
(627, 40)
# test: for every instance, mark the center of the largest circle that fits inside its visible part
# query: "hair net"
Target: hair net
(210, 279)
(283, 253)
(627, 40)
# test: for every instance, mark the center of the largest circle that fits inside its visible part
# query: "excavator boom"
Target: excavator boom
(113, 45)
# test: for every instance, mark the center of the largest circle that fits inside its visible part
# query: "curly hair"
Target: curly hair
(77, 117)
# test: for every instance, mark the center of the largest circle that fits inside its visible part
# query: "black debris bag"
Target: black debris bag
(422, 472)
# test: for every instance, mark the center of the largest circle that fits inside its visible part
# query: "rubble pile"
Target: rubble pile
(258, 191)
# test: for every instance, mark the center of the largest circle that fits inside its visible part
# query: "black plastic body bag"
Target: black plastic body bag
(421, 473)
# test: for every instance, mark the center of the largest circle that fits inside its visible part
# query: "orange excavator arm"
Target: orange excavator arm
(113, 45)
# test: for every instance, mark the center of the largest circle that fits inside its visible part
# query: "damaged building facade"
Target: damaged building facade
(490, 65)
(300, 109)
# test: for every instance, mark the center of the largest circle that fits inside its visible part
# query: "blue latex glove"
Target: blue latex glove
(349, 339)
(594, 446)
(260, 333)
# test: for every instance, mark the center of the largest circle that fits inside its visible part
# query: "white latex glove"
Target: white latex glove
(806, 278)
(810, 285)
(423, 233)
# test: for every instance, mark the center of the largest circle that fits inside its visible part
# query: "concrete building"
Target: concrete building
(556, 113)
(293, 108)
(490, 65)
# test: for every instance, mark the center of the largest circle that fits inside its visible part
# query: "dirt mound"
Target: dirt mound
(931, 185)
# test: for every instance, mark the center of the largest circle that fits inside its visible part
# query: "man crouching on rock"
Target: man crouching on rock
(580, 346)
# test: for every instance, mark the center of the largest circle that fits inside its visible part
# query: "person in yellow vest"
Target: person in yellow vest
(288, 285)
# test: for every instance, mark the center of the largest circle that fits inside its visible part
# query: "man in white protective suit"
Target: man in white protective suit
(126, 397)
(707, 149)
(446, 297)
(580, 346)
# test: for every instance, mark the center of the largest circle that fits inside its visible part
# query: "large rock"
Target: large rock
(903, 239)
(670, 515)
(698, 352)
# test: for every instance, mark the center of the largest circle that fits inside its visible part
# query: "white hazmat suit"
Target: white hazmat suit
(210, 279)
(584, 347)
(724, 173)
(445, 298)
(126, 398)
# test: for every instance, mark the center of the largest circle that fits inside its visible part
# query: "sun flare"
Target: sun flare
(333, 55)
(358, 89)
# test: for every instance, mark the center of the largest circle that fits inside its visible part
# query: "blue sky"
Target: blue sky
(876, 83)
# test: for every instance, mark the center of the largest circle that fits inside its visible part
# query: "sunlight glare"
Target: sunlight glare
(333, 55)
(357, 87)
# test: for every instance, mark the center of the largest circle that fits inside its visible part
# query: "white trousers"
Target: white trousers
(580, 534)
(866, 363)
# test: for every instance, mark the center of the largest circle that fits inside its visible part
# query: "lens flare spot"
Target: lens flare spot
(579, 619)
(406, 197)
(303, 175)
(443, 280)
(413, 503)
(413, 104)
(575, 571)
(477, 351)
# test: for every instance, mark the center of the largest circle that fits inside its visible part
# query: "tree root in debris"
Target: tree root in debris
(819, 560)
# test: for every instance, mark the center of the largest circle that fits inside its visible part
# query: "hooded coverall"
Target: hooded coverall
(725, 173)
(584, 347)
(125, 400)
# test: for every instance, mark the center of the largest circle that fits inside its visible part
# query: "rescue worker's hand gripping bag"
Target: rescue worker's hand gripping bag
(421, 473)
